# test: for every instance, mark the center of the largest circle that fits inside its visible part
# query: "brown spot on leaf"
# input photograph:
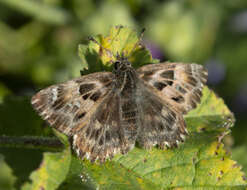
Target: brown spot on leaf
(235, 165)
(203, 129)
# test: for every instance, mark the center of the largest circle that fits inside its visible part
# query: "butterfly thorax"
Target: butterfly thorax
(125, 75)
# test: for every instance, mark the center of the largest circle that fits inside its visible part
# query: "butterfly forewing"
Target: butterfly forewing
(180, 84)
(68, 106)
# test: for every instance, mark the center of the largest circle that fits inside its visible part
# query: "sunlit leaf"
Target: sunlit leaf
(200, 162)
(121, 40)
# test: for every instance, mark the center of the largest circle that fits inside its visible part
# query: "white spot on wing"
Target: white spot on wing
(54, 94)
(186, 131)
(35, 100)
(167, 144)
(46, 117)
(78, 152)
(182, 136)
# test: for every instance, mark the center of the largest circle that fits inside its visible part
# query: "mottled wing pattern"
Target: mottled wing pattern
(169, 91)
(109, 132)
(101, 118)
(179, 84)
(68, 106)
(105, 119)
(113, 128)
(161, 123)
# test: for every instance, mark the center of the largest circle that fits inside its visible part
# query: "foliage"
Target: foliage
(198, 163)
(7, 179)
(38, 44)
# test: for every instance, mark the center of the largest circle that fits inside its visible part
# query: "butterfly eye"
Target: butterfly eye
(116, 65)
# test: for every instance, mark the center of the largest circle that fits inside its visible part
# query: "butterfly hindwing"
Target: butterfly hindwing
(100, 138)
(112, 129)
(180, 84)
(161, 123)
(68, 106)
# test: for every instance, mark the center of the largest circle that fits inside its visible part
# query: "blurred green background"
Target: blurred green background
(39, 41)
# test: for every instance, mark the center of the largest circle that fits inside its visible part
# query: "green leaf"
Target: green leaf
(76, 179)
(53, 169)
(7, 179)
(211, 115)
(239, 154)
(200, 162)
(20, 109)
(120, 40)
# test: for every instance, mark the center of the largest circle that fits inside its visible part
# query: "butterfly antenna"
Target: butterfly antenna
(142, 34)
(90, 38)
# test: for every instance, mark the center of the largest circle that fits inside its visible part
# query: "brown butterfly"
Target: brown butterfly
(108, 112)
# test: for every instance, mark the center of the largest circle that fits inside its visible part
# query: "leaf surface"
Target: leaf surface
(200, 162)
(7, 178)
(53, 169)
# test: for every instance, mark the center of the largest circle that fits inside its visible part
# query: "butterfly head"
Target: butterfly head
(121, 64)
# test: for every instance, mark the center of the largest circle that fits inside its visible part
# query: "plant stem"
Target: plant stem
(45, 143)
